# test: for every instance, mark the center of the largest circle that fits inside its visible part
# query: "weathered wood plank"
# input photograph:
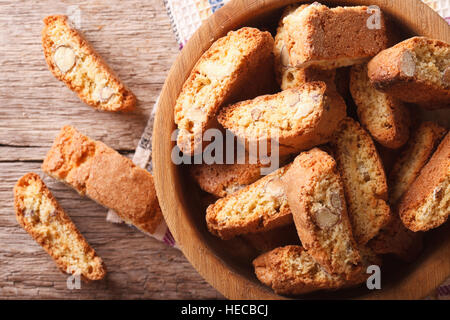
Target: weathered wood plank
(134, 37)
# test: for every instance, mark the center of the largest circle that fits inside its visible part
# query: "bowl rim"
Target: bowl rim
(231, 283)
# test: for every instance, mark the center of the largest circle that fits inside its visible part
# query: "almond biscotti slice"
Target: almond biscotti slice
(38, 212)
(224, 179)
(385, 117)
(413, 158)
(416, 70)
(291, 270)
(364, 180)
(99, 172)
(316, 197)
(218, 75)
(258, 207)
(287, 75)
(297, 118)
(332, 38)
(71, 59)
(395, 237)
(426, 204)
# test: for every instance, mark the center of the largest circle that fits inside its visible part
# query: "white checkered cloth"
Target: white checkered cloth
(186, 16)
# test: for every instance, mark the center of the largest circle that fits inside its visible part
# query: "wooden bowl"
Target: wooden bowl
(226, 265)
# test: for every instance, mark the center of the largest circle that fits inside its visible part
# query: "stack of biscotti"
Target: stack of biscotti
(346, 209)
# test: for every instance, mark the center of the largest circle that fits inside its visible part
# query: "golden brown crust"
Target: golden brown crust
(317, 201)
(415, 70)
(217, 77)
(99, 172)
(364, 180)
(90, 74)
(386, 118)
(258, 207)
(332, 38)
(298, 118)
(287, 75)
(38, 212)
(426, 204)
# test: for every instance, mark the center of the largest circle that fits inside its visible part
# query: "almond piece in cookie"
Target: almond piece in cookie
(426, 204)
(298, 118)
(415, 70)
(330, 38)
(220, 73)
(101, 173)
(316, 197)
(364, 180)
(385, 117)
(258, 207)
(71, 59)
(41, 216)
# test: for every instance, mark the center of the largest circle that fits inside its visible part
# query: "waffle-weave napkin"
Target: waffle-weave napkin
(186, 16)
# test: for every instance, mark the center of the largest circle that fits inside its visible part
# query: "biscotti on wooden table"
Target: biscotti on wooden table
(363, 178)
(72, 59)
(41, 216)
(426, 204)
(385, 117)
(297, 119)
(99, 172)
(218, 76)
(330, 38)
(416, 70)
(316, 198)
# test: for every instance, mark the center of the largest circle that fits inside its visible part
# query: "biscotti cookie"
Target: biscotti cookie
(316, 197)
(297, 118)
(287, 75)
(416, 70)
(41, 216)
(218, 75)
(291, 270)
(71, 59)
(413, 158)
(258, 207)
(426, 204)
(385, 117)
(274, 238)
(364, 180)
(99, 172)
(397, 240)
(332, 38)
(224, 179)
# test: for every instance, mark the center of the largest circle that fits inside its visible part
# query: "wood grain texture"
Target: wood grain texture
(217, 260)
(136, 39)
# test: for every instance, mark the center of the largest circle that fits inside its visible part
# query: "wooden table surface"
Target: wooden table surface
(136, 39)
